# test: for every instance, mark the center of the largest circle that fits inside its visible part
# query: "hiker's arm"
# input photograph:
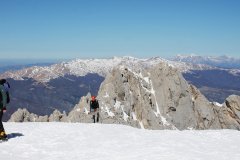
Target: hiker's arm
(1, 101)
(97, 104)
(3, 98)
(90, 105)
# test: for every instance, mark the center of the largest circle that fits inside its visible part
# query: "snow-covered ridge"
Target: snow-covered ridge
(81, 67)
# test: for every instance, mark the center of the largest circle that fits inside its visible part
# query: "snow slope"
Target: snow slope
(68, 141)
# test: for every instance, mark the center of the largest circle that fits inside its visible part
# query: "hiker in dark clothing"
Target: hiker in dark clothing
(4, 99)
(94, 109)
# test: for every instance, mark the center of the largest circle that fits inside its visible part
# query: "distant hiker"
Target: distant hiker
(94, 109)
(4, 100)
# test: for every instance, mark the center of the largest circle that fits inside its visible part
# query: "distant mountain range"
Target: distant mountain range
(18, 64)
(80, 67)
(41, 89)
(218, 82)
(220, 61)
(15, 67)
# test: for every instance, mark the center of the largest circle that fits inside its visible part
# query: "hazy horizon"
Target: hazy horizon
(45, 59)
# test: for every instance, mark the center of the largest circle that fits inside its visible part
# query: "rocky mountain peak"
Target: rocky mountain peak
(157, 98)
(154, 97)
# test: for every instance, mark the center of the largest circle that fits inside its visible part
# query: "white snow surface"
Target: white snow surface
(217, 104)
(76, 141)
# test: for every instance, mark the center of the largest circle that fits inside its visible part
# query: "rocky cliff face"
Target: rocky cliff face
(159, 98)
(155, 97)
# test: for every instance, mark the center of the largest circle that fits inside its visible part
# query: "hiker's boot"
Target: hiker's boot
(3, 135)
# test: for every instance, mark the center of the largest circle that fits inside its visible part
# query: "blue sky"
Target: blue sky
(51, 29)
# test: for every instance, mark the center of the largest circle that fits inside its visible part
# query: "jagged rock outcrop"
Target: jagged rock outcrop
(229, 113)
(23, 115)
(57, 116)
(80, 112)
(160, 98)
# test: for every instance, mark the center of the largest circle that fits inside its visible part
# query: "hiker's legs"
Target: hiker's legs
(97, 116)
(1, 125)
(3, 135)
(93, 118)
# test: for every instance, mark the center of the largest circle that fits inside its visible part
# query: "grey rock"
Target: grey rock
(159, 97)
(57, 116)
(80, 112)
(228, 114)
(42, 119)
(23, 115)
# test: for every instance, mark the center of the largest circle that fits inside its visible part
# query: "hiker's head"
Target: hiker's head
(5, 84)
(2, 81)
(93, 98)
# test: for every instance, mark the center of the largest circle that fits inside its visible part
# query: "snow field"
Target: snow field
(75, 141)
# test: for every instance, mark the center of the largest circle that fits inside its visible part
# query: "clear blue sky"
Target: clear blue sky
(106, 28)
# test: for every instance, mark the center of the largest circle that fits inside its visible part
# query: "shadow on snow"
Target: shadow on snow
(14, 135)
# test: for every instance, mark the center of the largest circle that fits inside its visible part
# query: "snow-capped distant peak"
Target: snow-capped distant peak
(77, 67)
(214, 61)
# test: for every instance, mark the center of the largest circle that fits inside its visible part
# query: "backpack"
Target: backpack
(6, 88)
(8, 97)
(94, 104)
(3, 97)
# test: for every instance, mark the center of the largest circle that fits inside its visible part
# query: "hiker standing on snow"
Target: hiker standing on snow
(94, 109)
(4, 100)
